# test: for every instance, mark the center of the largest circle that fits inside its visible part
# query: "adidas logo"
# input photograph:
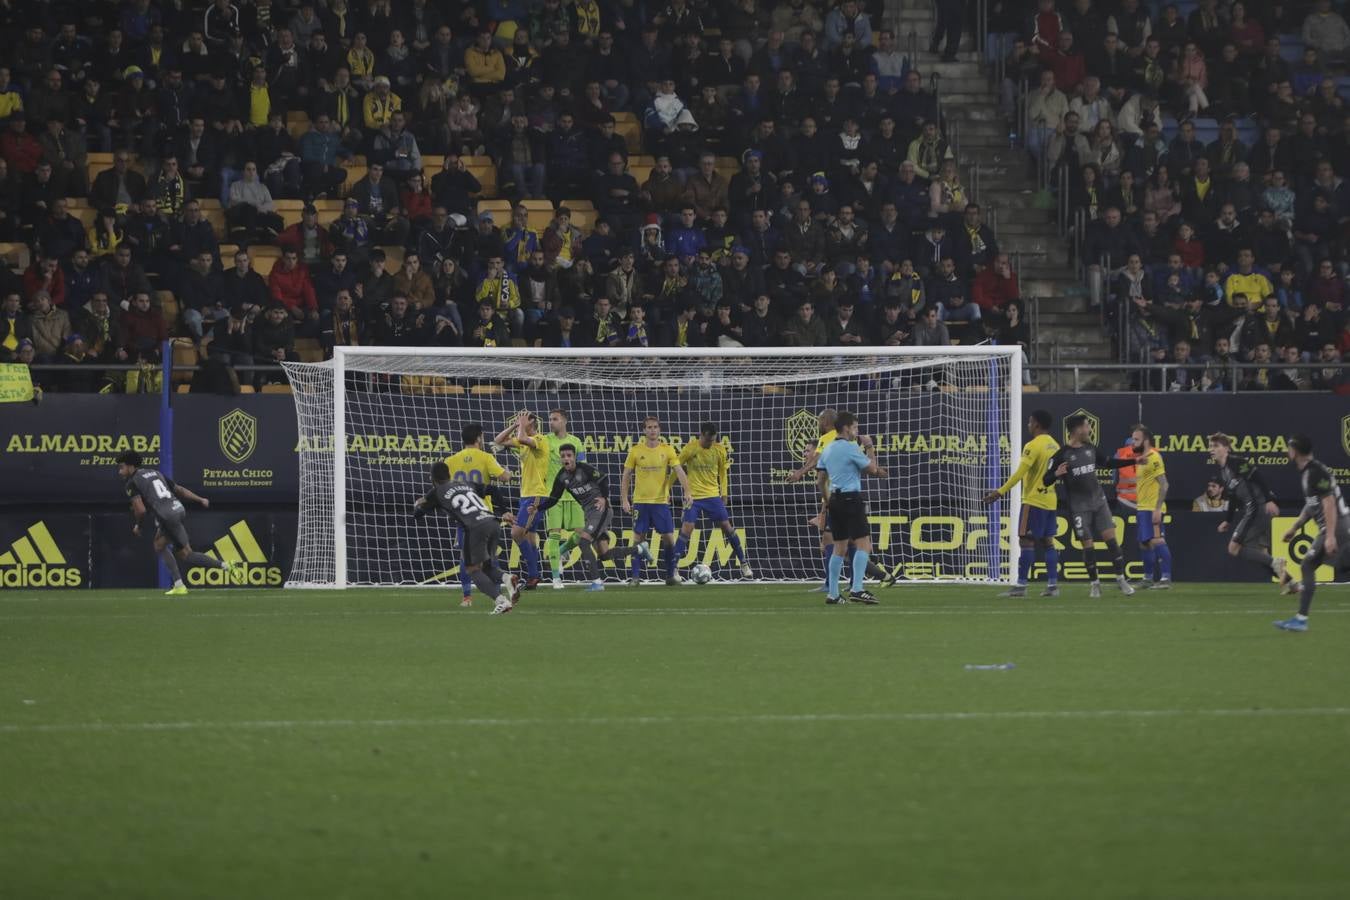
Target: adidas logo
(252, 567)
(34, 561)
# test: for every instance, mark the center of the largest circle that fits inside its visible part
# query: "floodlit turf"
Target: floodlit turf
(683, 743)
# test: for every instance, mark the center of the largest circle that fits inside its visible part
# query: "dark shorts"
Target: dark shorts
(1317, 552)
(1090, 524)
(1251, 526)
(1037, 523)
(481, 544)
(848, 517)
(174, 530)
(712, 507)
(598, 521)
(656, 517)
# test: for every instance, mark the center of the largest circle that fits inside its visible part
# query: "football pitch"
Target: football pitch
(673, 742)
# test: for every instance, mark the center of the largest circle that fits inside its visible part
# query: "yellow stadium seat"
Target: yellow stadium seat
(85, 214)
(393, 258)
(640, 173)
(263, 264)
(328, 205)
(485, 390)
(433, 163)
(631, 133)
(289, 216)
(246, 389)
(276, 388)
(774, 389)
(636, 160)
(625, 116)
(209, 203)
(168, 304)
(286, 203)
(16, 255)
(486, 173)
(354, 174)
(1031, 388)
(217, 219)
(184, 389)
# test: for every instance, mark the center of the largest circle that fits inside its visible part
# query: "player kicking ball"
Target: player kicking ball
(480, 528)
(706, 463)
(843, 465)
(1324, 503)
(150, 490)
(590, 490)
(647, 472)
(1075, 465)
(1251, 506)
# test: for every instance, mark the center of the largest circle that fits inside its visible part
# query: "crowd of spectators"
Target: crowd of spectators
(1205, 146)
(801, 191)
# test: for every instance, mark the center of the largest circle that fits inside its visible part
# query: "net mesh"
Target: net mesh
(939, 422)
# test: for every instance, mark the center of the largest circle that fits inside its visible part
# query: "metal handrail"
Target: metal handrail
(935, 85)
(954, 137)
(1231, 372)
(981, 25)
(912, 50)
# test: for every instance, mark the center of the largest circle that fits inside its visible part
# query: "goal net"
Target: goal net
(373, 420)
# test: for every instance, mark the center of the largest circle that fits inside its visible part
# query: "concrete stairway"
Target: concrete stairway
(1067, 332)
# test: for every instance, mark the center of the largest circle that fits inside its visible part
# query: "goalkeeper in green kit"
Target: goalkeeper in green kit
(567, 514)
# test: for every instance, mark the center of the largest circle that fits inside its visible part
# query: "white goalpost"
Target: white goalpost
(946, 422)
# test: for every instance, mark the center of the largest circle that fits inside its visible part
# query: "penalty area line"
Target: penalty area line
(603, 721)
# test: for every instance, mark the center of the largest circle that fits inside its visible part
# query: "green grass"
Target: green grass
(683, 743)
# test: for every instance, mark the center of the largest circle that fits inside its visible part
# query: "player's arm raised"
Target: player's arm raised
(188, 495)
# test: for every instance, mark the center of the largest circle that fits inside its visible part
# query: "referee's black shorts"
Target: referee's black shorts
(848, 516)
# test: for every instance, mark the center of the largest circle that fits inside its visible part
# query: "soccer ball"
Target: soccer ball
(701, 574)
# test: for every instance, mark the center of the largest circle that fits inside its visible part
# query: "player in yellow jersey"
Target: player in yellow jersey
(650, 464)
(522, 434)
(1152, 504)
(705, 461)
(473, 465)
(1036, 522)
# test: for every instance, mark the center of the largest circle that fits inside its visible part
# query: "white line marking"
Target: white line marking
(953, 610)
(749, 719)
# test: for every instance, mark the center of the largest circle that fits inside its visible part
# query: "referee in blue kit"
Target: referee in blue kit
(840, 469)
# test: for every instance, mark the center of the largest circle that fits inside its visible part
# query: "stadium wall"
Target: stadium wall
(62, 524)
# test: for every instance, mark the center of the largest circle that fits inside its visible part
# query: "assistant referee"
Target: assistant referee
(842, 466)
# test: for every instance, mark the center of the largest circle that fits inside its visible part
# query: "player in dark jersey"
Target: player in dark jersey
(482, 531)
(151, 491)
(1251, 506)
(1075, 466)
(591, 491)
(1324, 503)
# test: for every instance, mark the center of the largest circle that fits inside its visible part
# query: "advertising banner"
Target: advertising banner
(44, 551)
(62, 450)
(1181, 423)
(237, 448)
